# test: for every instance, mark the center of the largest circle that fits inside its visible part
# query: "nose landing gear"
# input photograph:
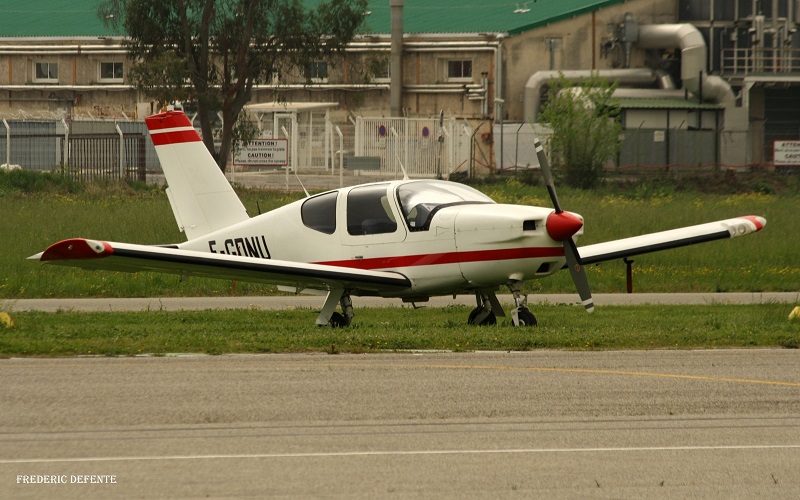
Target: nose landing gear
(521, 315)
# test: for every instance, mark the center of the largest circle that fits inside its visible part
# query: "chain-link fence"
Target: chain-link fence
(80, 150)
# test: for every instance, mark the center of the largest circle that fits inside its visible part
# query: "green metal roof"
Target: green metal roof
(478, 16)
(78, 18)
(51, 18)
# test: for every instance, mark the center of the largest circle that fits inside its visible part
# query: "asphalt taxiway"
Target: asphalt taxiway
(555, 424)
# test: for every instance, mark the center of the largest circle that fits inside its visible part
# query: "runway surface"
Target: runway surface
(554, 424)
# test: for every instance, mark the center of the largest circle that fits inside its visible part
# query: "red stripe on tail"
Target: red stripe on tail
(170, 119)
(176, 137)
(161, 123)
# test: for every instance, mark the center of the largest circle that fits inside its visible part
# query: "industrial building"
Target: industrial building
(701, 82)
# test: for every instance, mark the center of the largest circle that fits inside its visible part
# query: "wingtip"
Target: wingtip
(758, 221)
(76, 248)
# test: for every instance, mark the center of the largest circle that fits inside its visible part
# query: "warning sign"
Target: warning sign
(263, 153)
(787, 153)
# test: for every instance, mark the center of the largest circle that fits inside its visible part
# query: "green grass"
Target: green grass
(37, 213)
(392, 329)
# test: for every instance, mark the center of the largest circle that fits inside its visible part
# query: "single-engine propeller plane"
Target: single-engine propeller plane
(408, 239)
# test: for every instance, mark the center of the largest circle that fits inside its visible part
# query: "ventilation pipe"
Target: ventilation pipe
(655, 36)
(533, 88)
(396, 65)
(694, 72)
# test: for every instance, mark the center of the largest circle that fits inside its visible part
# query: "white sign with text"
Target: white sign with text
(263, 153)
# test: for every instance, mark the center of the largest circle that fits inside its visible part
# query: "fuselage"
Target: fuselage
(444, 236)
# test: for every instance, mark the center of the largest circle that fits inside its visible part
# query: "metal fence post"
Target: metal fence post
(122, 172)
(8, 143)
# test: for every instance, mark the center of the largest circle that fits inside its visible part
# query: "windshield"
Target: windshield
(420, 200)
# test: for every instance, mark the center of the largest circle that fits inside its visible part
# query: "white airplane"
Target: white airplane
(409, 239)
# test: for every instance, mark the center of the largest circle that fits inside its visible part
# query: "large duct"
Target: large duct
(533, 87)
(654, 36)
(396, 64)
(694, 72)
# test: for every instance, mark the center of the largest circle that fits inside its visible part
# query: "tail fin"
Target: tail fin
(202, 199)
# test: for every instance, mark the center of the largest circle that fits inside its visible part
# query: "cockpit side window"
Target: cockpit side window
(368, 211)
(319, 212)
(419, 201)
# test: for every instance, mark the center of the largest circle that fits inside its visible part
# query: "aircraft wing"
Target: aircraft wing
(127, 257)
(674, 238)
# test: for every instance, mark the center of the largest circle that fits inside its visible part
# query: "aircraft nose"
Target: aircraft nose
(562, 225)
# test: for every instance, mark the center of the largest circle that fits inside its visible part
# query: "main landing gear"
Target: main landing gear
(489, 308)
(329, 316)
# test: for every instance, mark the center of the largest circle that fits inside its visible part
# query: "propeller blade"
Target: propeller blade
(547, 174)
(562, 229)
(578, 275)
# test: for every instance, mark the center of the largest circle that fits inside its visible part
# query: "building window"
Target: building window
(379, 69)
(45, 72)
(317, 71)
(459, 70)
(111, 71)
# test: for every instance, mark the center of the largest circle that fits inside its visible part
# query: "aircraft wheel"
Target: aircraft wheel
(338, 320)
(525, 317)
(490, 318)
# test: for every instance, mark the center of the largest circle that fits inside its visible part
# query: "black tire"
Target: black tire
(491, 319)
(526, 318)
(337, 320)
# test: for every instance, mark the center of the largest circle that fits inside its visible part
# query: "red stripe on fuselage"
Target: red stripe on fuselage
(176, 137)
(448, 258)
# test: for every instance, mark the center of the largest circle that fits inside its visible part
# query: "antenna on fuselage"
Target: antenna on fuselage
(397, 155)
(301, 185)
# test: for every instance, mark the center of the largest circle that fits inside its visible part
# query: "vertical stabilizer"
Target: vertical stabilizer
(202, 199)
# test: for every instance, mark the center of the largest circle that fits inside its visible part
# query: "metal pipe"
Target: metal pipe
(396, 65)
(533, 87)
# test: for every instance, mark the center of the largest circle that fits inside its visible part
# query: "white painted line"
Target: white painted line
(398, 453)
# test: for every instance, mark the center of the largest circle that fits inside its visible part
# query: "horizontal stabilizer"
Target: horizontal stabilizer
(674, 238)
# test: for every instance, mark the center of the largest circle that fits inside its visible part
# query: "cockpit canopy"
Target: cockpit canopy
(369, 211)
(420, 200)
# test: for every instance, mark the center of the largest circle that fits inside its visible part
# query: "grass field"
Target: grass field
(34, 216)
(391, 329)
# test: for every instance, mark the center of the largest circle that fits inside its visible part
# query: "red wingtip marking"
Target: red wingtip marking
(759, 222)
(77, 248)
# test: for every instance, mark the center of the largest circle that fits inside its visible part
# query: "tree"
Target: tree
(585, 128)
(212, 52)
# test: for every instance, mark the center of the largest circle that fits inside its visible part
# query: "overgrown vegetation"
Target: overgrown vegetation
(585, 127)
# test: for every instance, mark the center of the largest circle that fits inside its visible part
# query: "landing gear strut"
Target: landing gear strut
(521, 315)
(487, 311)
(328, 315)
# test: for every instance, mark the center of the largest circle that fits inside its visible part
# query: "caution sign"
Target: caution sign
(263, 153)
(786, 153)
